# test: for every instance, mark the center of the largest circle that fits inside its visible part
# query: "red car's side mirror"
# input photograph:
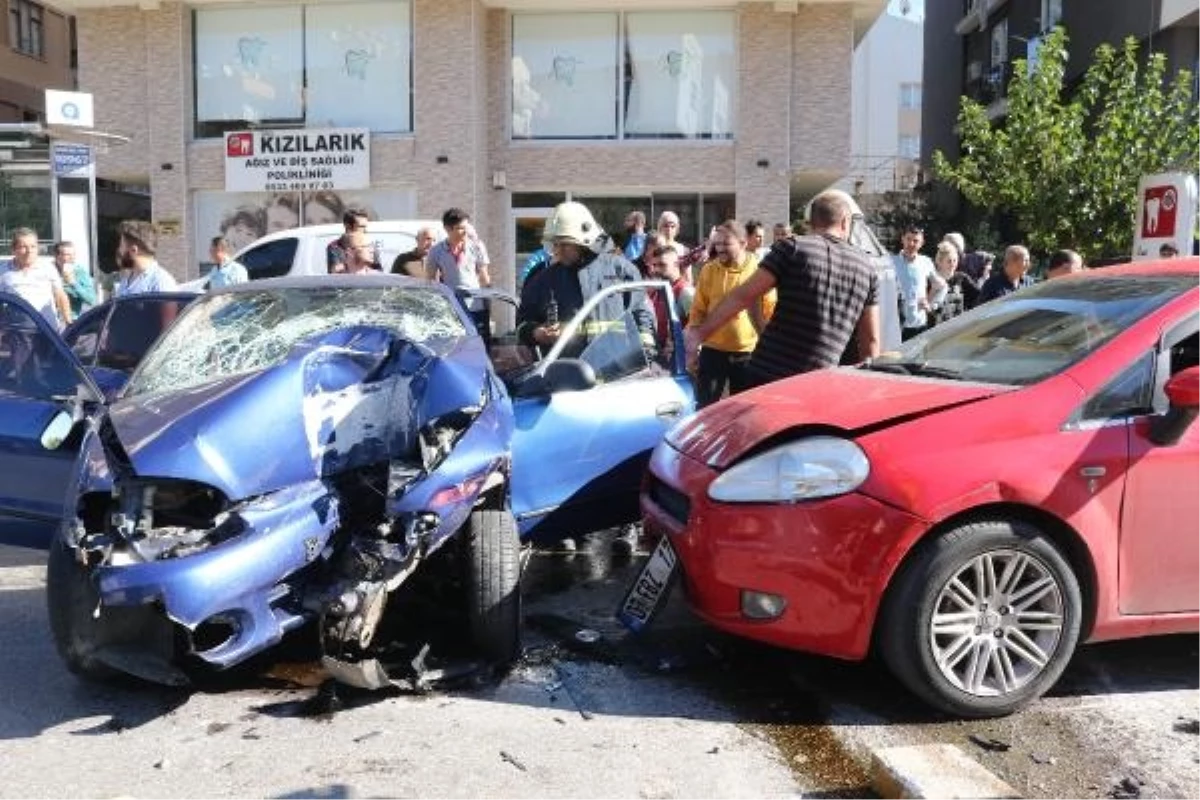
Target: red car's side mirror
(1183, 392)
(1183, 389)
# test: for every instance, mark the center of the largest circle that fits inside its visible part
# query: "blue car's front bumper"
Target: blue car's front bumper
(238, 580)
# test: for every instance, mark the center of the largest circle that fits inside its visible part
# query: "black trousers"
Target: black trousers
(483, 323)
(716, 371)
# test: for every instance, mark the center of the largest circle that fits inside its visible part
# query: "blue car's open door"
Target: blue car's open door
(40, 379)
(579, 452)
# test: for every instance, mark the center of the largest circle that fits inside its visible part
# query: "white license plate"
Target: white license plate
(650, 589)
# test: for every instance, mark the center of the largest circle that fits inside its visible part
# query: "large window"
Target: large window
(909, 146)
(658, 75)
(1051, 13)
(26, 33)
(1000, 44)
(348, 65)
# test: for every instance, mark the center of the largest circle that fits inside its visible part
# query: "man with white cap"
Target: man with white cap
(583, 263)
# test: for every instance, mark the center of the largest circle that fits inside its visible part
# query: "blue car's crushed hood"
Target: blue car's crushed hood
(345, 399)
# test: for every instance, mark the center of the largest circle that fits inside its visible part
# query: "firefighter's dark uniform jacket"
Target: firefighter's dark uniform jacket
(570, 287)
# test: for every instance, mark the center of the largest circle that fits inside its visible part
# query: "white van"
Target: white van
(301, 251)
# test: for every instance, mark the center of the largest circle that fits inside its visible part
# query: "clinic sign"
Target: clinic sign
(71, 109)
(297, 160)
(1166, 213)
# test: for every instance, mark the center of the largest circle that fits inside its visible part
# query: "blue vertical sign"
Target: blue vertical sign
(71, 160)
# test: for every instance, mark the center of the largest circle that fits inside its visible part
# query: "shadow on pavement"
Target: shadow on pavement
(40, 694)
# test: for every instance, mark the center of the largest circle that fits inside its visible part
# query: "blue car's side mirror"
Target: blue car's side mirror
(569, 375)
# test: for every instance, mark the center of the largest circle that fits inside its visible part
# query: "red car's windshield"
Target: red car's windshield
(1037, 332)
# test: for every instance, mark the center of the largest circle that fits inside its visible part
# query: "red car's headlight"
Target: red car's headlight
(818, 466)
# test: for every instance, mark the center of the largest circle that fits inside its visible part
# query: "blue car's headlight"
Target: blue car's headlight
(819, 466)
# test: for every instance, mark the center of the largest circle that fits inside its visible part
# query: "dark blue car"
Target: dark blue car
(293, 450)
(107, 342)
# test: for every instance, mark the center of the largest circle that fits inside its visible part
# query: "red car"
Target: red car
(1009, 484)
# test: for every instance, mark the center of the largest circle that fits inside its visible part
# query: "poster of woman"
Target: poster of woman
(244, 217)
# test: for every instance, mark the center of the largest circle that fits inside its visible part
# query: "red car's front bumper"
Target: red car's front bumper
(829, 558)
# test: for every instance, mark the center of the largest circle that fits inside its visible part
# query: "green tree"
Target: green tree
(1065, 165)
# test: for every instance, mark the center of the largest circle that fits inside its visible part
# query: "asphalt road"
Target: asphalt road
(679, 712)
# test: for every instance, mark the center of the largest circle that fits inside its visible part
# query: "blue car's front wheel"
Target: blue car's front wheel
(102, 642)
(71, 599)
(492, 553)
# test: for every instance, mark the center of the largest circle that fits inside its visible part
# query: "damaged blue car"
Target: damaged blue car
(292, 451)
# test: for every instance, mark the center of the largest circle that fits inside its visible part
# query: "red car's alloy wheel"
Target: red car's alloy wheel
(982, 618)
(996, 623)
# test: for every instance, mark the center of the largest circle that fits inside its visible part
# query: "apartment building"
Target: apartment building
(885, 121)
(970, 46)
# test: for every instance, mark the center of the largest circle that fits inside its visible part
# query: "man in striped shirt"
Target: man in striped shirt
(828, 292)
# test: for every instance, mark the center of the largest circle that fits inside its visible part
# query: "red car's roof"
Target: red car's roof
(1162, 266)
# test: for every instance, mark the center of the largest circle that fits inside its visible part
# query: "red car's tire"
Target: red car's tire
(982, 620)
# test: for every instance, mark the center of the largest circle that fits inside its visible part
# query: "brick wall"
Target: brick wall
(138, 66)
(821, 77)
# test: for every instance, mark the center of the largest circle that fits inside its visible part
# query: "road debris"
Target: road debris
(990, 744)
(1187, 725)
(587, 635)
(506, 756)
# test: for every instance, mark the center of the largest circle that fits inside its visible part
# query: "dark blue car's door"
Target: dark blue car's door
(579, 456)
(111, 340)
(39, 378)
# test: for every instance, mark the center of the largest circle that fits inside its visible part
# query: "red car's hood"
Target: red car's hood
(847, 399)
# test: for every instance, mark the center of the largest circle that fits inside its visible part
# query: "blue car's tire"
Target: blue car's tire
(71, 599)
(493, 581)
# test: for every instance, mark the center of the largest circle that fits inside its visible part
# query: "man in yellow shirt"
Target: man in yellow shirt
(726, 352)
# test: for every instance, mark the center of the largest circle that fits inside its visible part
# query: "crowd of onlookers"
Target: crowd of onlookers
(63, 289)
(957, 280)
(931, 290)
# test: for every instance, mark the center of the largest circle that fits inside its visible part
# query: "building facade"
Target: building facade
(502, 108)
(970, 46)
(36, 53)
(885, 120)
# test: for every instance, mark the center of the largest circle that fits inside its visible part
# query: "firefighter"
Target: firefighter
(582, 263)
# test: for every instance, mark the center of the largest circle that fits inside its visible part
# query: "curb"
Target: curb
(933, 770)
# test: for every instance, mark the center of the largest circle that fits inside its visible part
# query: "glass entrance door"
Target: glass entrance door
(527, 227)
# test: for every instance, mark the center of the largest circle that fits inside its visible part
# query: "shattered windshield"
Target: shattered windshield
(231, 333)
(1034, 333)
